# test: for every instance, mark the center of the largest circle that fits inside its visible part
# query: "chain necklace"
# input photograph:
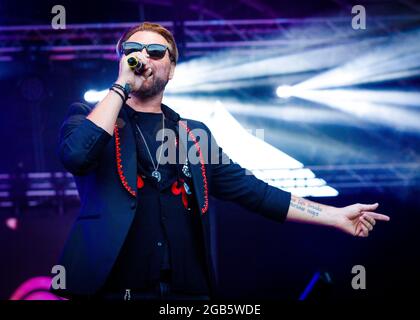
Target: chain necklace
(155, 174)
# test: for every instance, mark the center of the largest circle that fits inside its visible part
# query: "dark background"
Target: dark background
(254, 257)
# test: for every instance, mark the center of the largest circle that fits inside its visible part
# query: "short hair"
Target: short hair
(153, 27)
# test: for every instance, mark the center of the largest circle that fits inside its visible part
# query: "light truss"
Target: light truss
(97, 41)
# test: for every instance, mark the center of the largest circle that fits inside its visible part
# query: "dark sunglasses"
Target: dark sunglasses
(155, 51)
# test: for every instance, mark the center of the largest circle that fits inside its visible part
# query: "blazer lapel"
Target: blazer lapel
(125, 150)
(198, 171)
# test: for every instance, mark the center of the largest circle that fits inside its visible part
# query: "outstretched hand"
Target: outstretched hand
(359, 219)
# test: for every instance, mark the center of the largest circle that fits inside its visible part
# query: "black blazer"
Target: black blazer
(105, 171)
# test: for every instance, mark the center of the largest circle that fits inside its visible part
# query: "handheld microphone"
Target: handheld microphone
(135, 64)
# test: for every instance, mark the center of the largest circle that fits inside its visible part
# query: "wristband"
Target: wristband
(119, 93)
(126, 89)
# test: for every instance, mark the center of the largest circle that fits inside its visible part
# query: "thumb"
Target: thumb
(369, 207)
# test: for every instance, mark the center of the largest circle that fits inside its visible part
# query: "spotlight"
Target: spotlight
(93, 96)
(285, 91)
(12, 223)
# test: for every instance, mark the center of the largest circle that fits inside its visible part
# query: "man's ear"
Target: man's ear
(172, 71)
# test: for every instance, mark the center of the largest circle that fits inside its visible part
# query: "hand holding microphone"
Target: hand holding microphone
(135, 64)
(133, 70)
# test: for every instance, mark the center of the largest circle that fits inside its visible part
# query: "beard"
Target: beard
(158, 85)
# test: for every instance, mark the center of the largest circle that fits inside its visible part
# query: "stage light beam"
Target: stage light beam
(285, 91)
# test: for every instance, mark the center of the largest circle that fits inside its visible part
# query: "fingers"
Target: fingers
(366, 223)
(143, 59)
(361, 230)
(376, 216)
(369, 207)
(369, 219)
(364, 231)
(361, 234)
(141, 56)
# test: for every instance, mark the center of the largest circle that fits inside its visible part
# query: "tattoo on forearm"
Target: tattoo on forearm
(314, 209)
(297, 204)
(305, 206)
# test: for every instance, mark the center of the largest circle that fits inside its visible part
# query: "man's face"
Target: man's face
(162, 69)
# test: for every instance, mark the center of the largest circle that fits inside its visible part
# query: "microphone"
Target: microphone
(135, 64)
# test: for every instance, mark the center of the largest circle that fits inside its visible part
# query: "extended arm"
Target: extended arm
(357, 219)
(231, 182)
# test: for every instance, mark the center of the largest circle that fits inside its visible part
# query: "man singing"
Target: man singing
(143, 229)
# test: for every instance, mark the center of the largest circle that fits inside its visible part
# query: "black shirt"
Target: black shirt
(165, 233)
(150, 124)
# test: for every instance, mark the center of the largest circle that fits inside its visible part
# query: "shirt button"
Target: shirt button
(133, 204)
(159, 244)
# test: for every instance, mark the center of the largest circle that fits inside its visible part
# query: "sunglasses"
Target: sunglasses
(154, 50)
